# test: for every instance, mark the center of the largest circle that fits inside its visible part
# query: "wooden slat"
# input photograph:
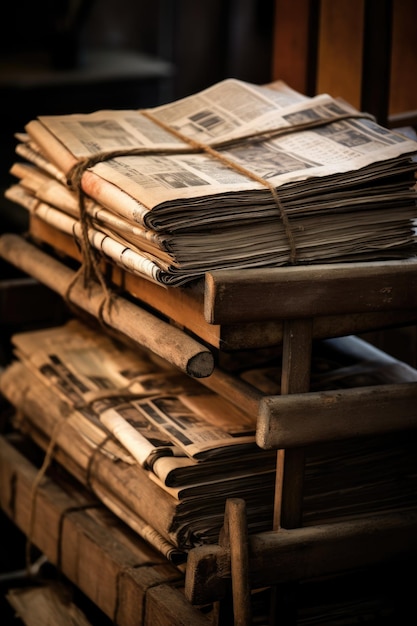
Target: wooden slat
(303, 553)
(185, 306)
(166, 605)
(234, 539)
(296, 366)
(49, 603)
(109, 563)
(309, 291)
(303, 419)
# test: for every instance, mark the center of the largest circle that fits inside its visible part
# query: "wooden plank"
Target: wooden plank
(236, 390)
(49, 603)
(304, 553)
(122, 573)
(295, 44)
(167, 605)
(234, 538)
(17, 476)
(185, 306)
(356, 323)
(107, 561)
(303, 419)
(309, 291)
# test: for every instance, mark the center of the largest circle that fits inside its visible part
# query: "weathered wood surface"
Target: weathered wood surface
(310, 291)
(46, 604)
(185, 306)
(304, 419)
(129, 319)
(167, 606)
(234, 540)
(236, 390)
(110, 564)
(302, 553)
(314, 417)
(295, 378)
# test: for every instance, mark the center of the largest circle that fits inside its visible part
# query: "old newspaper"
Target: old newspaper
(237, 175)
(148, 405)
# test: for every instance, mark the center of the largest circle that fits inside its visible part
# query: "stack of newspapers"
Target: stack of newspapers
(164, 453)
(236, 176)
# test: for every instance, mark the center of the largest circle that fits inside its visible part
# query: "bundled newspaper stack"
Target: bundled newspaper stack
(236, 176)
(164, 452)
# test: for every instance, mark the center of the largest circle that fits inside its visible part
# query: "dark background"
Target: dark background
(175, 48)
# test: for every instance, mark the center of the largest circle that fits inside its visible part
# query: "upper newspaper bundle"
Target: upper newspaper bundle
(236, 176)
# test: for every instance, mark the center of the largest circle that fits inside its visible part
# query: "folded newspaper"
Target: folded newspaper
(235, 176)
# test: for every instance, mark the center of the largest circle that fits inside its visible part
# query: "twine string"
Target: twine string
(97, 450)
(62, 518)
(34, 491)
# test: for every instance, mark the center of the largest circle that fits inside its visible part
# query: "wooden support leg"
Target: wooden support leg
(296, 369)
(234, 538)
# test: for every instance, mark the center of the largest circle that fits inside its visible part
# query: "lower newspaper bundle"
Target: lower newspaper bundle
(164, 452)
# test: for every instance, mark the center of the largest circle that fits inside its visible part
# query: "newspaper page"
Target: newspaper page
(29, 151)
(151, 409)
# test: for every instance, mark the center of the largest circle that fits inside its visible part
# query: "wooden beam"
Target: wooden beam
(303, 553)
(309, 291)
(307, 418)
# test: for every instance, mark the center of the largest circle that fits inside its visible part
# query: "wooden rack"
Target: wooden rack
(301, 297)
(302, 304)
